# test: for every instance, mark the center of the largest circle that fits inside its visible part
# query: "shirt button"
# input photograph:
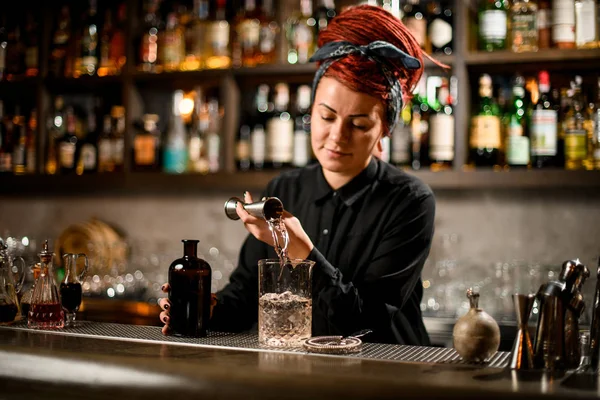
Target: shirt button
(325, 231)
(334, 194)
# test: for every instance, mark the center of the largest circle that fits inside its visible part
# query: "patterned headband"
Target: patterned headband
(379, 52)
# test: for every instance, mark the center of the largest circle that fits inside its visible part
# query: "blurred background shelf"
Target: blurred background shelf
(158, 183)
(592, 56)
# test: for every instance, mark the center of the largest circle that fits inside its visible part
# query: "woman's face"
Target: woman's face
(346, 126)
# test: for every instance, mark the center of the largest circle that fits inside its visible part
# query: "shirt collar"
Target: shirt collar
(350, 192)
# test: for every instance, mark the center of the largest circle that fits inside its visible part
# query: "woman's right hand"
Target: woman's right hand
(165, 304)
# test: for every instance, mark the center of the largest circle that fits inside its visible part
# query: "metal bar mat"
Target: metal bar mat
(249, 341)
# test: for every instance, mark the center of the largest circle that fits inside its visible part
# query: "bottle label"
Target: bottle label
(517, 150)
(563, 12)
(441, 140)
(563, 33)
(173, 48)
(218, 34)
(242, 150)
(401, 144)
(585, 22)
(597, 154)
(280, 139)
(118, 147)
(524, 29)
(258, 144)
(268, 36)
(303, 40)
(104, 151)
(440, 33)
(301, 148)
(31, 159)
(175, 160)
(67, 154)
(575, 144)
(31, 57)
(543, 133)
(19, 155)
(485, 132)
(249, 32)
(145, 150)
(418, 27)
(213, 144)
(493, 25)
(5, 162)
(544, 18)
(88, 157)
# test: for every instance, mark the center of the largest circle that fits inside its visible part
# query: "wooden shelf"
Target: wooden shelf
(542, 56)
(193, 184)
(83, 83)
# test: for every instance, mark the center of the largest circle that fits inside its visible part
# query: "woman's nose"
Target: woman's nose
(336, 132)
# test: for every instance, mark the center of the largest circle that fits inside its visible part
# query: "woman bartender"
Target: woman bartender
(367, 225)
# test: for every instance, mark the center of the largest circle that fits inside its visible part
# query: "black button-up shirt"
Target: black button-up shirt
(371, 237)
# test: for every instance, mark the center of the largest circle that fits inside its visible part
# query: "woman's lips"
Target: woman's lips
(335, 153)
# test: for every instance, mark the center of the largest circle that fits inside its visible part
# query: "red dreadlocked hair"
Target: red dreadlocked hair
(362, 25)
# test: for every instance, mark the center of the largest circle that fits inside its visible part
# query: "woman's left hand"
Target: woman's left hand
(299, 245)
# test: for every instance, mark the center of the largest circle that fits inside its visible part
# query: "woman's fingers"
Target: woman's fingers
(165, 304)
(164, 317)
(165, 288)
(247, 197)
(166, 329)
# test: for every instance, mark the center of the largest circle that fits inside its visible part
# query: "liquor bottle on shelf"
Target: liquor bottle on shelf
(73, 55)
(15, 54)
(485, 141)
(301, 146)
(175, 149)
(441, 131)
(492, 24)
(523, 23)
(544, 24)
(414, 19)
(242, 149)
(596, 133)
(6, 148)
(576, 136)
(19, 157)
(440, 32)
(3, 45)
(324, 14)
(88, 155)
(118, 137)
(146, 145)
(117, 53)
(31, 47)
(30, 143)
(246, 50)
(544, 127)
(60, 43)
(258, 145)
(197, 146)
(149, 45)
(105, 148)
(172, 44)
(517, 139)
(420, 125)
(269, 32)
(104, 66)
(280, 129)
(401, 146)
(213, 135)
(300, 34)
(90, 48)
(586, 24)
(563, 24)
(218, 53)
(196, 37)
(67, 147)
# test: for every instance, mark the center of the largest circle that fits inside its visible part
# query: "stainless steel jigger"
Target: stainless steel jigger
(268, 208)
(522, 351)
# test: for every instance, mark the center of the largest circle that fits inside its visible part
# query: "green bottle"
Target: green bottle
(492, 24)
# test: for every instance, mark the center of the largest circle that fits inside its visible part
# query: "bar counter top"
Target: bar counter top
(66, 365)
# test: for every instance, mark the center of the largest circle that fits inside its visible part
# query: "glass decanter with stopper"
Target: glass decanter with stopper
(45, 311)
(9, 302)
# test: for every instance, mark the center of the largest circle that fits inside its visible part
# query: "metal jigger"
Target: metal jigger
(522, 351)
(268, 208)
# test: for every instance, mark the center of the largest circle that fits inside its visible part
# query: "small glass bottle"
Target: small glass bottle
(28, 295)
(190, 282)
(524, 30)
(45, 311)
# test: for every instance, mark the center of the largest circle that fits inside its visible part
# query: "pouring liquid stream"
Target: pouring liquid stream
(280, 240)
